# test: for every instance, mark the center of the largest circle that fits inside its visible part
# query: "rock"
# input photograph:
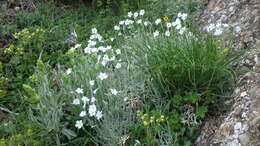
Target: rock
(244, 139)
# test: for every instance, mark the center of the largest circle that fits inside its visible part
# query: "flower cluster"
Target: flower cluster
(149, 120)
(217, 29)
(88, 106)
(105, 54)
(135, 18)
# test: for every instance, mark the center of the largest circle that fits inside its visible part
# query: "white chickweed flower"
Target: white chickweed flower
(116, 27)
(99, 115)
(141, 13)
(158, 21)
(83, 114)
(176, 22)
(79, 124)
(94, 30)
(168, 25)
(178, 26)
(156, 33)
(118, 65)
(92, 83)
(79, 91)
(139, 21)
(77, 46)
(218, 31)
(85, 99)
(114, 91)
(87, 50)
(92, 110)
(68, 71)
(102, 76)
(136, 15)
(118, 51)
(76, 101)
(93, 99)
(130, 14)
(182, 30)
(121, 22)
(167, 33)
(145, 23)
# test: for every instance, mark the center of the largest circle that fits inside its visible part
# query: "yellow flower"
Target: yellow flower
(145, 123)
(10, 49)
(2, 142)
(16, 35)
(152, 119)
(165, 18)
(29, 132)
(226, 50)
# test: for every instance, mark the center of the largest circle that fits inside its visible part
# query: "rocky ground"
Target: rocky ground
(241, 125)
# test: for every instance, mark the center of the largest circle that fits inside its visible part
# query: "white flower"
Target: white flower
(85, 99)
(75, 47)
(68, 71)
(145, 23)
(91, 43)
(92, 83)
(225, 25)
(157, 21)
(76, 101)
(218, 31)
(94, 30)
(168, 25)
(83, 114)
(87, 50)
(99, 115)
(130, 14)
(94, 50)
(118, 65)
(116, 27)
(92, 110)
(237, 29)
(121, 22)
(79, 91)
(182, 30)
(139, 21)
(128, 22)
(102, 76)
(93, 99)
(112, 39)
(118, 51)
(176, 22)
(136, 14)
(141, 13)
(183, 16)
(79, 124)
(126, 98)
(93, 36)
(156, 33)
(114, 91)
(210, 27)
(104, 62)
(178, 26)
(167, 33)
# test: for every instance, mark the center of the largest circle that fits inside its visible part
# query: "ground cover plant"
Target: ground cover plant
(148, 80)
